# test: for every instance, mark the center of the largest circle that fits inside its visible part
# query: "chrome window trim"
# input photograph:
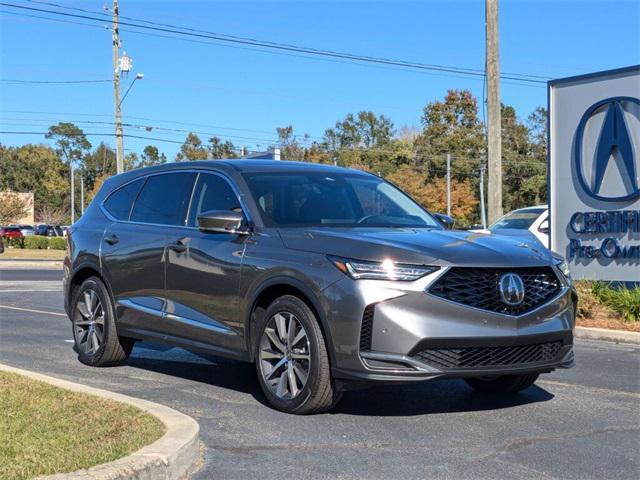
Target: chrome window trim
(197, 171)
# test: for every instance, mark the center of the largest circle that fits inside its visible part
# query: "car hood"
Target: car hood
(418, 246)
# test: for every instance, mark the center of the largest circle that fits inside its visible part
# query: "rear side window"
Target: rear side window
(164, 199)
(212, 193)
(119, 202)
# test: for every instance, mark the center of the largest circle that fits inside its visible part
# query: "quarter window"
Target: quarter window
(164, 199)
(119, 202)
(212, 192)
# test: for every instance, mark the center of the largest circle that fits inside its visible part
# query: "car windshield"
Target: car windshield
(519, 220)
(316, 199)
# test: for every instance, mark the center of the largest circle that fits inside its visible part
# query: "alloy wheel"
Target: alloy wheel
(285, 355)
(88, 322)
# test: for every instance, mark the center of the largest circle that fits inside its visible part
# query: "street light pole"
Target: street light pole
(139, 76)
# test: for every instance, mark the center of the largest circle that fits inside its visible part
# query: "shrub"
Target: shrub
(625, 301)
(57, 243)
(36, 242)
(14, 242)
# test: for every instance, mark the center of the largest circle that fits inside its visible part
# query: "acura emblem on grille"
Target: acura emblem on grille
(511, 289)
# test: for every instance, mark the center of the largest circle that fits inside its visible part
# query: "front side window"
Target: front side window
(119, 203)
(164, 199)
(212, 192)
(333, 199)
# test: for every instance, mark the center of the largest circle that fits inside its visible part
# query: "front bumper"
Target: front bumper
(411, 330)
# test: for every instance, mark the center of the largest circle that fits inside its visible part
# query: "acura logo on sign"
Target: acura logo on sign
(614, 149)
(511, 288)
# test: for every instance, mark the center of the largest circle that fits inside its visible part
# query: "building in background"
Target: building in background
(27, 197)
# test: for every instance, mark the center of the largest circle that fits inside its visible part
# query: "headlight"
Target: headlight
(563, 266)
(386, 270)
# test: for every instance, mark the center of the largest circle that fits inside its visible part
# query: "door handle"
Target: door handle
(178, 246)
(112, 239)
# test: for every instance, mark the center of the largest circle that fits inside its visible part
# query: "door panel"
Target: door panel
(203, 273)
(135, 266)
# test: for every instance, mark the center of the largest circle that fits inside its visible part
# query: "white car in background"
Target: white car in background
(529, 223)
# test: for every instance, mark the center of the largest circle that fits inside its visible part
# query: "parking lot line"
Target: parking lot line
(33, 310)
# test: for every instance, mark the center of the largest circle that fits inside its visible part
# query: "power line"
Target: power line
(179, 30)
(5, 80)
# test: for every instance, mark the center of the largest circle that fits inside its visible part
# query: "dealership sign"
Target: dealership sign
(594, 168)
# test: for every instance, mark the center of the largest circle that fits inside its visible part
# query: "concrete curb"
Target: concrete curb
(172, 456)
(13, 263)
(619, 336)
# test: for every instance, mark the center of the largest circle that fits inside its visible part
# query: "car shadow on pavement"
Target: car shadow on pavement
(432, 397)
(216, 371)
(438, 396)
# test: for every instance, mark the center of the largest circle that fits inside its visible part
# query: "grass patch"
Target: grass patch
(46, 429)
(602, 306)
(28, 254)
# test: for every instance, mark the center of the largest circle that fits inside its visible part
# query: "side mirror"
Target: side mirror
(445, 220)
(222, 221)
(544, 227)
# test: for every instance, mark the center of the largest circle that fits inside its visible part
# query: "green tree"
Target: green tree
(524, 171)
(71, 142)
(37, 169)
(192, 149)
(101, 161)
(290, 148)
(364, 130)
(151, 156)
(219, 149)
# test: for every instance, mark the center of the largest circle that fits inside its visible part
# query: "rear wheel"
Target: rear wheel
(292, 360)
(503, 383)
(94, 328)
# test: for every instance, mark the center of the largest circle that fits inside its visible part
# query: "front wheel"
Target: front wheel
(503, 383)
(292, 360)
(94, 327)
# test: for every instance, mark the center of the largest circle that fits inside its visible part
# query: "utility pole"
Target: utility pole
(116, 89)
(483, 215)
(448, 184)
(494, 139)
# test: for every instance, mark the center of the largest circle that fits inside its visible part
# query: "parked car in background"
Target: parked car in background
(11, 231)
(27, 230)
(531, 223)
(65, 229)
(325, 278)
(49, 230)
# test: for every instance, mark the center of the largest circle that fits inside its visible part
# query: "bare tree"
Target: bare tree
(12, 208)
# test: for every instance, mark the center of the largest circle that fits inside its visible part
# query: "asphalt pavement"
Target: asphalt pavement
(581, 423)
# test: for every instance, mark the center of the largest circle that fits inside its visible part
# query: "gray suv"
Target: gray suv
(326, 278)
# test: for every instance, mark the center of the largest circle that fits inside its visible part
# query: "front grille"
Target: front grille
(366, 328)
(470, 357)
(478, 287)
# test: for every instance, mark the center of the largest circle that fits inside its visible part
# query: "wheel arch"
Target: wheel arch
(79, 275)
(277, 287)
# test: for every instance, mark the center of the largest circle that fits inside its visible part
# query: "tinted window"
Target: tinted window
(164, 199)
(119, 202)
(212, 193)
(334, 199)
(519, 220)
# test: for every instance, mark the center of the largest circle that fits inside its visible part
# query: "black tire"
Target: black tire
(113, 350)
(503, 384)
(319, 393)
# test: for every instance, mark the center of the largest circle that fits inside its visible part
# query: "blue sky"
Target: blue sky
(243, 95)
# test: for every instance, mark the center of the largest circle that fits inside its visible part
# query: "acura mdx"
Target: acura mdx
(326, 278)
